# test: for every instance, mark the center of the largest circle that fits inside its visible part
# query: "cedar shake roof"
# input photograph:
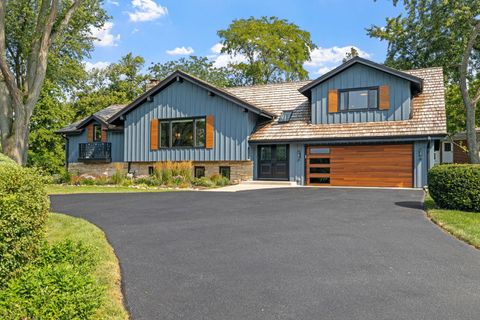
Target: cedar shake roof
(428, 113)
(103, 115)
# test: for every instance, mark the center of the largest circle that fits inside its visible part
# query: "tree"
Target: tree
(349, 55)
(273, 49)
(200, 67)
(32, 34)
(439, 33)
(119, 83)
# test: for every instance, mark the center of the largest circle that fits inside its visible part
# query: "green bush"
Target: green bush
(58, 285)
(23, 213)
(219, 180)
(455, 186)
(203, 182)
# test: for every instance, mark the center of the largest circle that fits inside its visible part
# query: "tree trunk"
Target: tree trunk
(469, 103)
(15, 140)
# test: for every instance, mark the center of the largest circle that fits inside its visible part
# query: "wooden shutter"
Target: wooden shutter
(333, 100)
(104, 134)
(90, 132)
(384, 95)
(154, 134)
(209, 132)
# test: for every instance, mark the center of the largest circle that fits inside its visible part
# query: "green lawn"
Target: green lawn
(68, 189)
(461, 224)
(61, 227)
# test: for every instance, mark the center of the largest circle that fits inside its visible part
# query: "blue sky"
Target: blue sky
(162, 30)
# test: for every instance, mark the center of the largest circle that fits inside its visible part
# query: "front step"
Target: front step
(270, 182)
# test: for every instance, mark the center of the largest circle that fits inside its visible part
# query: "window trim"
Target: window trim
(340, 91)
(229, 171)
(170, 142)
(96, 125)
(195, 171)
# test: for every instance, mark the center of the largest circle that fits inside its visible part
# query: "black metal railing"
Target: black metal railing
(95, 151)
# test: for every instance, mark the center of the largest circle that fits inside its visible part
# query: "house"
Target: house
(361, 124)
(459, 149)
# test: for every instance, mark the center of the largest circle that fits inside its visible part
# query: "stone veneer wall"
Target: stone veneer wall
(239, 170)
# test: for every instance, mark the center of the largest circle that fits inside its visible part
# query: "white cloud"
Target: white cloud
(217, 48)
(180, 51)
(325, 59)
(135, 30)
(223, 59)
(96, 65)
(115, 3)
(146, 10)
(104, 37)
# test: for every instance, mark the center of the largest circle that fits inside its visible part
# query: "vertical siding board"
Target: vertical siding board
(362, 76)
(232, 125)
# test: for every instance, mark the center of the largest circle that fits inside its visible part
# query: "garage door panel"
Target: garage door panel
(371, 165)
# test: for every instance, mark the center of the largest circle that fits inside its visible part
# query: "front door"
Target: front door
(273, 162)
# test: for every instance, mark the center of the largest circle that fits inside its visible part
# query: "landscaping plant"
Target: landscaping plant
(455, 186)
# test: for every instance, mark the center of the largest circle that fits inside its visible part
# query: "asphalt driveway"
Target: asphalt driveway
(301, 253)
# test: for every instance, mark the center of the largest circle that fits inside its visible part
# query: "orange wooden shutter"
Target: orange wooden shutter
(90, 132)
(384, 94)
(209, 132)
(333, 100)
(154, 134)
(104, 134)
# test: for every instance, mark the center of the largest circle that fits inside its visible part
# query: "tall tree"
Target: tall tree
(273, 49)
(200, 67)
(119, 83)
(32, 32)
(439, 33)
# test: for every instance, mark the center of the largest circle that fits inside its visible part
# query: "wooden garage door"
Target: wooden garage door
(363, 165)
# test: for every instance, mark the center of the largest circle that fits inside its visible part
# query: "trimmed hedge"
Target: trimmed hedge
(23, 213)
(455, 186)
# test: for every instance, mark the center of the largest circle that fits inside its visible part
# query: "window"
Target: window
(285, 117)
(315, 150)
(164, 134)
(447, 147)
(97, 133)
(225, 172)
(182, 133)
(151, 171)
(199, 172)
(358, 99)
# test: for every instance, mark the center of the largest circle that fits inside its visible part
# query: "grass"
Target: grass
(463, 225)
(69, 189)
(61, 227)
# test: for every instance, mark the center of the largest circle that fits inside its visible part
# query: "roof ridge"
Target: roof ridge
(269, 84)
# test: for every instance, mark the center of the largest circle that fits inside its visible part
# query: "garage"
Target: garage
(389, 165)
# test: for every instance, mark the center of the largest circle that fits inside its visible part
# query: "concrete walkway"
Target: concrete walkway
(255, 185)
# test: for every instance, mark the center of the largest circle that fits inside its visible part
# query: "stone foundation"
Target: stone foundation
(96, 169)
(239, 170)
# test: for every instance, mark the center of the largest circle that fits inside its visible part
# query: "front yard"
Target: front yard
(461, 224)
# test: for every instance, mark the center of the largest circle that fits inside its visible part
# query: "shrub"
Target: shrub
(168, 172)
(23, 213)
(119, 175)
(58, 285)
(148, 181)
(219, 180)
(203, 182)
(455, 186)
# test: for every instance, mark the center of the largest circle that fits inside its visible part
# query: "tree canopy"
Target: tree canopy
(272, 49)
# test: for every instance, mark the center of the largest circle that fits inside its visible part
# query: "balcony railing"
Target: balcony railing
(95, 152)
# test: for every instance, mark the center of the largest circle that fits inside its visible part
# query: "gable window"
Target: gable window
(97, 133)
(285, 117)
(358, 99)
(178, 133)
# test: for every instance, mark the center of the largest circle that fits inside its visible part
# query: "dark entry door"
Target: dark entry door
(273, 162)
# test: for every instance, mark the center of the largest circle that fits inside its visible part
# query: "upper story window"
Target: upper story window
(97, 133)
(185, 132)
(358, 99)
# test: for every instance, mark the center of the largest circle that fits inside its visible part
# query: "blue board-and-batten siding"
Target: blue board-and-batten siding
(115, 138)
(358, 76)
(232, 125)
